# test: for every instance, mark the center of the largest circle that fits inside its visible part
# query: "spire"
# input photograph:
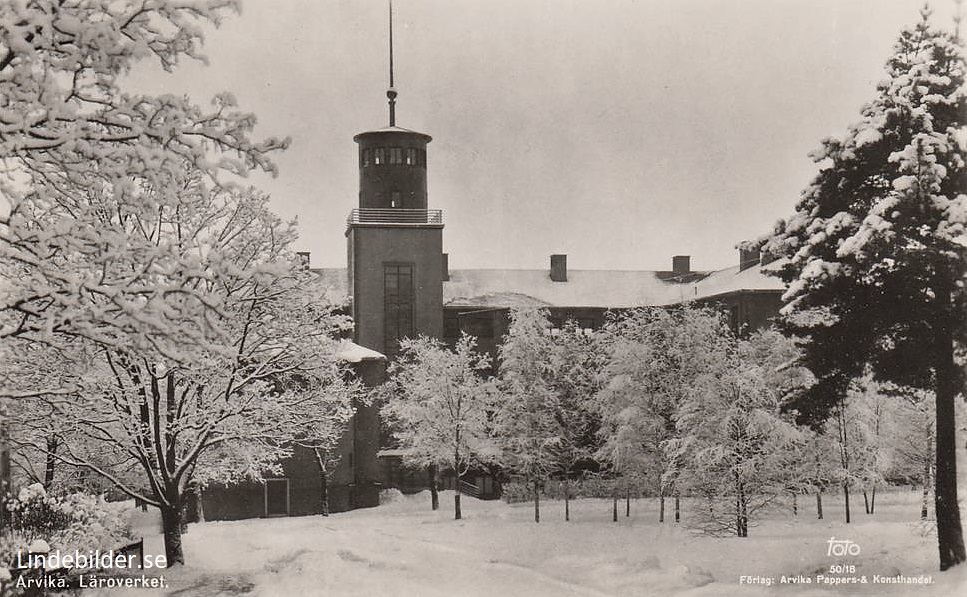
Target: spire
(391, 92)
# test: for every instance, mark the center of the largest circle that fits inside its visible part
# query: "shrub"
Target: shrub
(74, 521)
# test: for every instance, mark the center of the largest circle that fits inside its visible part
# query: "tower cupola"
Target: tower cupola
(392, 160)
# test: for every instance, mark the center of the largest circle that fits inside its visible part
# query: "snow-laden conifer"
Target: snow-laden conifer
(876, 249)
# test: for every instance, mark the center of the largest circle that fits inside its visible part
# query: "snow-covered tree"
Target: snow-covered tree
(226, 407)
(76, 150)
(877, 432)
(525, 423)
(651, 358)
(915, 442)
(439, 404)
(876, 249)
(574, 364)
(734, 446)
(818, 465)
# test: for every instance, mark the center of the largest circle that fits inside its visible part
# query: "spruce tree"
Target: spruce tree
(876, 250)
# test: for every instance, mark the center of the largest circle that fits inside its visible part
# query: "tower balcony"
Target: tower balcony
(395, 216)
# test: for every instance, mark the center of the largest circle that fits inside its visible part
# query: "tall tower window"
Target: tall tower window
(410, 156)
(395, 155)
(367, 158)
(395, 200)
(379, 156)
(421, 157)
(397, 305)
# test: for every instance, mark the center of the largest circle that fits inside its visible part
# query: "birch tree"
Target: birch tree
(525, 425)
(439, 406)
(651, 358)
(734, 447)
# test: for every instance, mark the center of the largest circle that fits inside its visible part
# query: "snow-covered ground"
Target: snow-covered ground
(403, 548)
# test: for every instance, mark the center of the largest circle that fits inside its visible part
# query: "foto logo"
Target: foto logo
(842, 547)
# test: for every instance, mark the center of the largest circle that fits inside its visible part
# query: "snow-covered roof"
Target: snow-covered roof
(732, 280)
(354, 353)
(612, 289)
(584, 288)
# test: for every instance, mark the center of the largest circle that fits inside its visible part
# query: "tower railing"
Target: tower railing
(374, 215)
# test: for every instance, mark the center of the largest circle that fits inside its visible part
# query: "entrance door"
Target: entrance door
(276, 497)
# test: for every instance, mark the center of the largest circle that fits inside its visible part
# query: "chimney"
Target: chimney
(303, 259)
(748, 257)
(445, 272)
(559, 268)
(767, 257)
(681, 265)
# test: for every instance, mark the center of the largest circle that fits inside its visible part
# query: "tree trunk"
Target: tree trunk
(323, 478)
(795, 504)
(434, 492)
(614, 507)
(873, 500)
(819, 503)
(678, 509)
(741, 510)
(567, 500)
(627, 504)
(844, 449)
(456, 473)
(661, 507)
(51, 461)
(846, 499)
(926, 490)
(950, 536)
(866, 501)
(171, 525)
(183, 515)
(537, 501)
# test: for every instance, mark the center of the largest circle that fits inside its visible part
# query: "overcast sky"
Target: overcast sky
(620, 132)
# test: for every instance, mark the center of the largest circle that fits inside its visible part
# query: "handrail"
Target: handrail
(469, 489)
(374, 215)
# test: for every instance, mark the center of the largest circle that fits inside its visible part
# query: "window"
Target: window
(410, 156)
(421, 157)
(367, 158)
(397, 305)
(479, 327)
(379, 156)
(395, 200)
(395, 155)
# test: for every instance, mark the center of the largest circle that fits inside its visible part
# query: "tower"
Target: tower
(395, 243)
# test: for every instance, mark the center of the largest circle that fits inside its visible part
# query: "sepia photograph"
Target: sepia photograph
(477, 298)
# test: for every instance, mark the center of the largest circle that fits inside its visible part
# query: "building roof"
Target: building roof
(584, 288)
(729, 280)
(393, 129)
(611, 289)
(354, 353)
